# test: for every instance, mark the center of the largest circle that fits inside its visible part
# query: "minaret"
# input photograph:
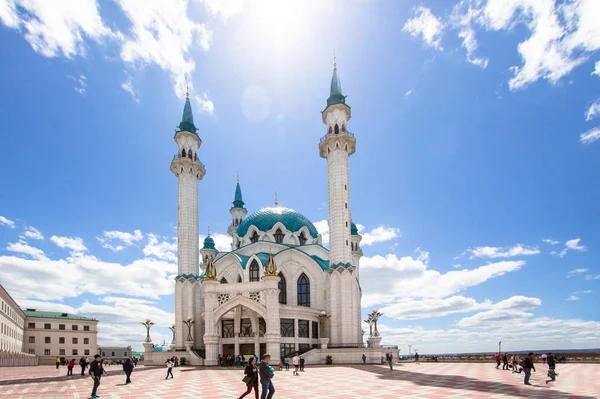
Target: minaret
(189, 170)
(208, 250)
(336, 146)
(238, 212)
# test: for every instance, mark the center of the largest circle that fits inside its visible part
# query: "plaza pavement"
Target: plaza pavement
(426, 380)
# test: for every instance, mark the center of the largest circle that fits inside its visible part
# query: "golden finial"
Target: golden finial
(238, 176)
(211, 271)
(271, 269)
(209, 231)
(334, 63)
(187, 87)
(276, 202)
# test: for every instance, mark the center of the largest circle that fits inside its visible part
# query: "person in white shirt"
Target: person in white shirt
(296, 363)
(170, 366)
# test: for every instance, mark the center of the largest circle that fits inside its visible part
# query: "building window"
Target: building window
(302, 238)
(113, 354)
(282, 289)
(30, 325)
(303, 328)
(262, 327)
(246, 328)
(239, 279)
(346, 204)
(336, 129)
(75, 340)
(32, 351)
(254, 274)
(61, 326)
(32, 340)
(286, 350)
(86, 341)
(47, 340)
(343, 127)
(315, 330)
(254, 237)
(125, 354)
(303, 290)
(223, 280)
(61, 352)
(74, 327)
(303, 348)
(278, 236)
(86, 328)
(227, 328)
(74, 352)
(287, 327)
(103, 354)
(47, 352)
(330, 130)
(61, 340)
(47, 326)
(86, 352)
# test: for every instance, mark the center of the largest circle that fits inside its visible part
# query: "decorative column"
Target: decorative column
(189, 341)
(172, 328)
(271, 291)
(148, 345)
(323, 341)
(211, 338)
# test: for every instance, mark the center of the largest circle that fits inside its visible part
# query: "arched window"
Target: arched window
(206, 259)
(279, 236)
(336, 129)
(303, 290)
(183, 153)
(254, 237)
(330, 130)
(302, 239)
(238, 244)
(223, 280)
(190, 155)
(239, 280)
(282, 289)
(254, 275)
(343, 127)
(195, 156)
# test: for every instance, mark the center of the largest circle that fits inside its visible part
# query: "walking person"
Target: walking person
(128, 368)
(96, 372)
(251, 378)
(287, 364)
(528, 366)
(266, 373)
(416, 357)
(551, 368)
(296, 363)
(505, 361)
(364, 358)
(302, 361)
(515, 363)
(170, 366)
(57, 361)
(497, 360)
(70, 365)
(83, 365)
(390, 361)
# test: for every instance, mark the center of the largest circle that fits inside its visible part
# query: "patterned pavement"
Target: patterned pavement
(426, 381)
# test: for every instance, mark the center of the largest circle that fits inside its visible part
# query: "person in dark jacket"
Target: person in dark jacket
(527, 367)
(505, 361)
(551, 368)
(128, 368)
(266, 374)
(251, 372)
(83, 365)
(96, 372)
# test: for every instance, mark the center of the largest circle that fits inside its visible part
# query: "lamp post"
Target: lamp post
(172, 328)
(189, 323)
(409, 352)
(499, 347)
(148, 324)
(323, 321)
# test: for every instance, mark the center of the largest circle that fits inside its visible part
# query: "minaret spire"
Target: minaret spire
(335, 90)
(276, 201)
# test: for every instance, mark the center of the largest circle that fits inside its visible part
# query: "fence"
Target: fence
(17, 359)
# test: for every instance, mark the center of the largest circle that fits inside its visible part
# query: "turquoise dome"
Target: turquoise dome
(209, 243)
(353, 229)
(266, 218)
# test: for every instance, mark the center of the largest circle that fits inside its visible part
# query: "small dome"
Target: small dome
(209, 243)
(353, 229)
(266, 218)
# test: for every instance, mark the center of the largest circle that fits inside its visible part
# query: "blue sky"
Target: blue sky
(478, 137)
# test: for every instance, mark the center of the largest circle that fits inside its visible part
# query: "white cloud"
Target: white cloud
(72, 243)
(7, 222)
(162, 33)
(223, 8)
(497, 252)
(222, 241)
(583, 292)
(550, 241)
(80, 83)
(32, 232)
(597, 69)
(54, 28)
(432, 307)
(427, 25)
(22, 247)
(205, 105)
(322, 227)
(575, 272)
(570, 245)
(118, 240)
(408, 93)
(573, 298)
(464, 22)
(590, 136)
(592, 277)
(128, 87)
(161, 249)
(593, 111)
(380, 234)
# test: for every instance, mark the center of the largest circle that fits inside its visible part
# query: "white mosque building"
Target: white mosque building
(278, 290)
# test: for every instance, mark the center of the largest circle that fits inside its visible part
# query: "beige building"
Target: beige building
(115, 352)
(12, 321)
(52, 334)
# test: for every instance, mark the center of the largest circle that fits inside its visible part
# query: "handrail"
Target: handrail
(177, 156)
(334, 134)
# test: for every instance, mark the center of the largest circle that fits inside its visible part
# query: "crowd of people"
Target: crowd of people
(526, 365)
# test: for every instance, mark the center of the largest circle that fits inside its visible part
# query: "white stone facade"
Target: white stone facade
(12, 323)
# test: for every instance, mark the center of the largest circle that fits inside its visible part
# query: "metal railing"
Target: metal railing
(333, 134)
(351, 345)
(177, 156)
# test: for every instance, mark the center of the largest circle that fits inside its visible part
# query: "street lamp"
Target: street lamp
(323, 319)
(148, 324)
(409, 352)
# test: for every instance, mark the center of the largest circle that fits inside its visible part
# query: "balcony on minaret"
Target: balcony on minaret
(187, 158)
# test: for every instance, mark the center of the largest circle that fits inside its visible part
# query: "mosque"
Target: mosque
(278, 290)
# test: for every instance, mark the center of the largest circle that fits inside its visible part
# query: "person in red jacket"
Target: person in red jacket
(70, 365)
(497, 360)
